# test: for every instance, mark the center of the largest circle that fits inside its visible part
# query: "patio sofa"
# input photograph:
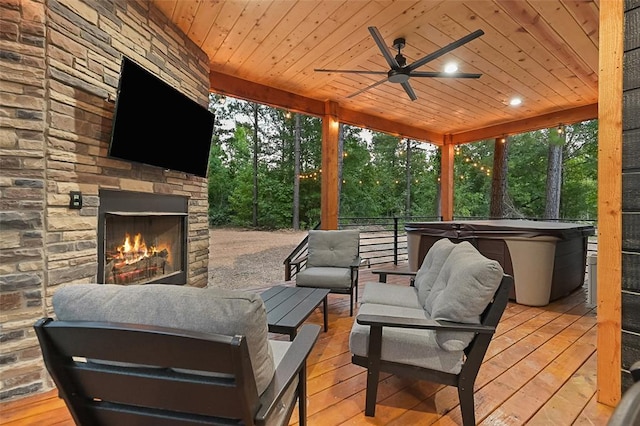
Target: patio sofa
(437, 329)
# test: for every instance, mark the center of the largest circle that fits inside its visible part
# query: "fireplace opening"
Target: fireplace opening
(140, 249)
(142, 238)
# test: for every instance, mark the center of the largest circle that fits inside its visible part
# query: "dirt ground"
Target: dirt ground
(246, 259)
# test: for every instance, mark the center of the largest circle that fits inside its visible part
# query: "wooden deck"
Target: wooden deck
(540, 370)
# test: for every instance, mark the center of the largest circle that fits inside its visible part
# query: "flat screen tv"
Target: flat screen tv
(153, 123)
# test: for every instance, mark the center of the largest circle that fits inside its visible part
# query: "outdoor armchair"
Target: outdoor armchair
(438, 330)
(332, 262)
(171, 355)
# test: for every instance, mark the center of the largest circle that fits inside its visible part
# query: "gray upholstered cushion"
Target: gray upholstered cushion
(463, 290)
(431, 267)
(391, 294)
(205, 310)
(324, 277)
(336, 248)
(280, 416)
(406, 346)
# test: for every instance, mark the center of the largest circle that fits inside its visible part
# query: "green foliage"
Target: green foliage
(375, 179)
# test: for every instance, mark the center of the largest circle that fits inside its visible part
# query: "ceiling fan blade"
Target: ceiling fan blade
(377, 37)
(371, 86)
(350, 71)
(444, 74)
(449, 47)
(407, 88)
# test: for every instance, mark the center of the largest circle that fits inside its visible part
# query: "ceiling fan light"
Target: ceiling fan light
(451, 68)
(515, 101)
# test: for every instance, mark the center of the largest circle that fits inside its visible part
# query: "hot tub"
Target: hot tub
(546, 259)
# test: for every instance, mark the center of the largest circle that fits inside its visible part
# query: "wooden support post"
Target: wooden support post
(330, 164)
(446, 179)
(609, 275)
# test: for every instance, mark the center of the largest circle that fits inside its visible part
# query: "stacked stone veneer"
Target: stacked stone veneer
(59, 71)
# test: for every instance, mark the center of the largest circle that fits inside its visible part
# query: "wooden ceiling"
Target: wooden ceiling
(543, 51)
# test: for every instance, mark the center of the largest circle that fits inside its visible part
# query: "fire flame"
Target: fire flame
(133, 252)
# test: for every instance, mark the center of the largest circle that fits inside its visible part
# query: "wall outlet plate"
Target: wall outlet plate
(75, 201)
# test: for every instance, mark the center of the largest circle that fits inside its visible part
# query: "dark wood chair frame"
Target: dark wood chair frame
(298, 264)
(474, 352)
(147, 390)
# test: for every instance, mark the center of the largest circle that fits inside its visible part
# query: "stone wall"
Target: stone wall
(59, 70)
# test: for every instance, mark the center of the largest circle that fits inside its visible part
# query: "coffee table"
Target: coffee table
(289, 306)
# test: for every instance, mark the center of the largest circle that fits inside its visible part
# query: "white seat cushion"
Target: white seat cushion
(206, 310)
(390, 294)
(324, 277)
(405, 346)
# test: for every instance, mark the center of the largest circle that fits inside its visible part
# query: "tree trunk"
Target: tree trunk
(255, 165)
(499, 179)
(554, 178)
(296, 174)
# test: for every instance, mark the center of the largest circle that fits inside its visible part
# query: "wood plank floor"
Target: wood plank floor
(540, 370)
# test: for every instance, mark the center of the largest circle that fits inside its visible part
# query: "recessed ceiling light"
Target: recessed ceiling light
(450, 68)
(515, 101)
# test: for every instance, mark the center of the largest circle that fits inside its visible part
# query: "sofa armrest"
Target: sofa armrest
(293, 363)
(422, 324)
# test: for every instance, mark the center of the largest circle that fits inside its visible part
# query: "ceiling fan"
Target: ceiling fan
(400, 72)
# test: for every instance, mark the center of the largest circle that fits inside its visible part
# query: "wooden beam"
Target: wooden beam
(330, 163)
(545, 121)
(609, 275)
(367, 121)
(446, 179)
(244, 89)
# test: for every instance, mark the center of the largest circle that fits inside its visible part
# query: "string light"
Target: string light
(561, 129)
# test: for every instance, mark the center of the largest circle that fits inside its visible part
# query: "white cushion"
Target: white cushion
(403, 345)
(324, 277)
(207, 310)
(335, 248)
(431, 267)
(464, 288)
(390, 294)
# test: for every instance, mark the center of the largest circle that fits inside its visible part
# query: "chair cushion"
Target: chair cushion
(335, 248)
(324, 277)
(402, 345)
(280, 416)
(391, 294)
(431, 267)
(464, 288)
(207, 310)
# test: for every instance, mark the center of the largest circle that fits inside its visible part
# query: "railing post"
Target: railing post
(395, 241)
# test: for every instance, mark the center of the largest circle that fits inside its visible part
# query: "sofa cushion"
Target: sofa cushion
(403, 345)
(206, 310)
(390, 294)
(466, 285)
(431, 267)
(336, 248)
(325, 277)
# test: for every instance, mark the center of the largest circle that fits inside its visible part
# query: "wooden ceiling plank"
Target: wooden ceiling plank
(166, 7)
(568, 116)
(571, 32)
(184, 13)
(207, 13)
(283, 35)
(502, 69)
(237, 34)
(519, 46)
(225, 20)
(261, 34)
(360, 47)
(244, 89)
(531, 22)
(586, 13)
(352, 16)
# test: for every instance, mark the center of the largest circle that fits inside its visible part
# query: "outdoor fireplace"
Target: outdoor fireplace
(142, 238)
